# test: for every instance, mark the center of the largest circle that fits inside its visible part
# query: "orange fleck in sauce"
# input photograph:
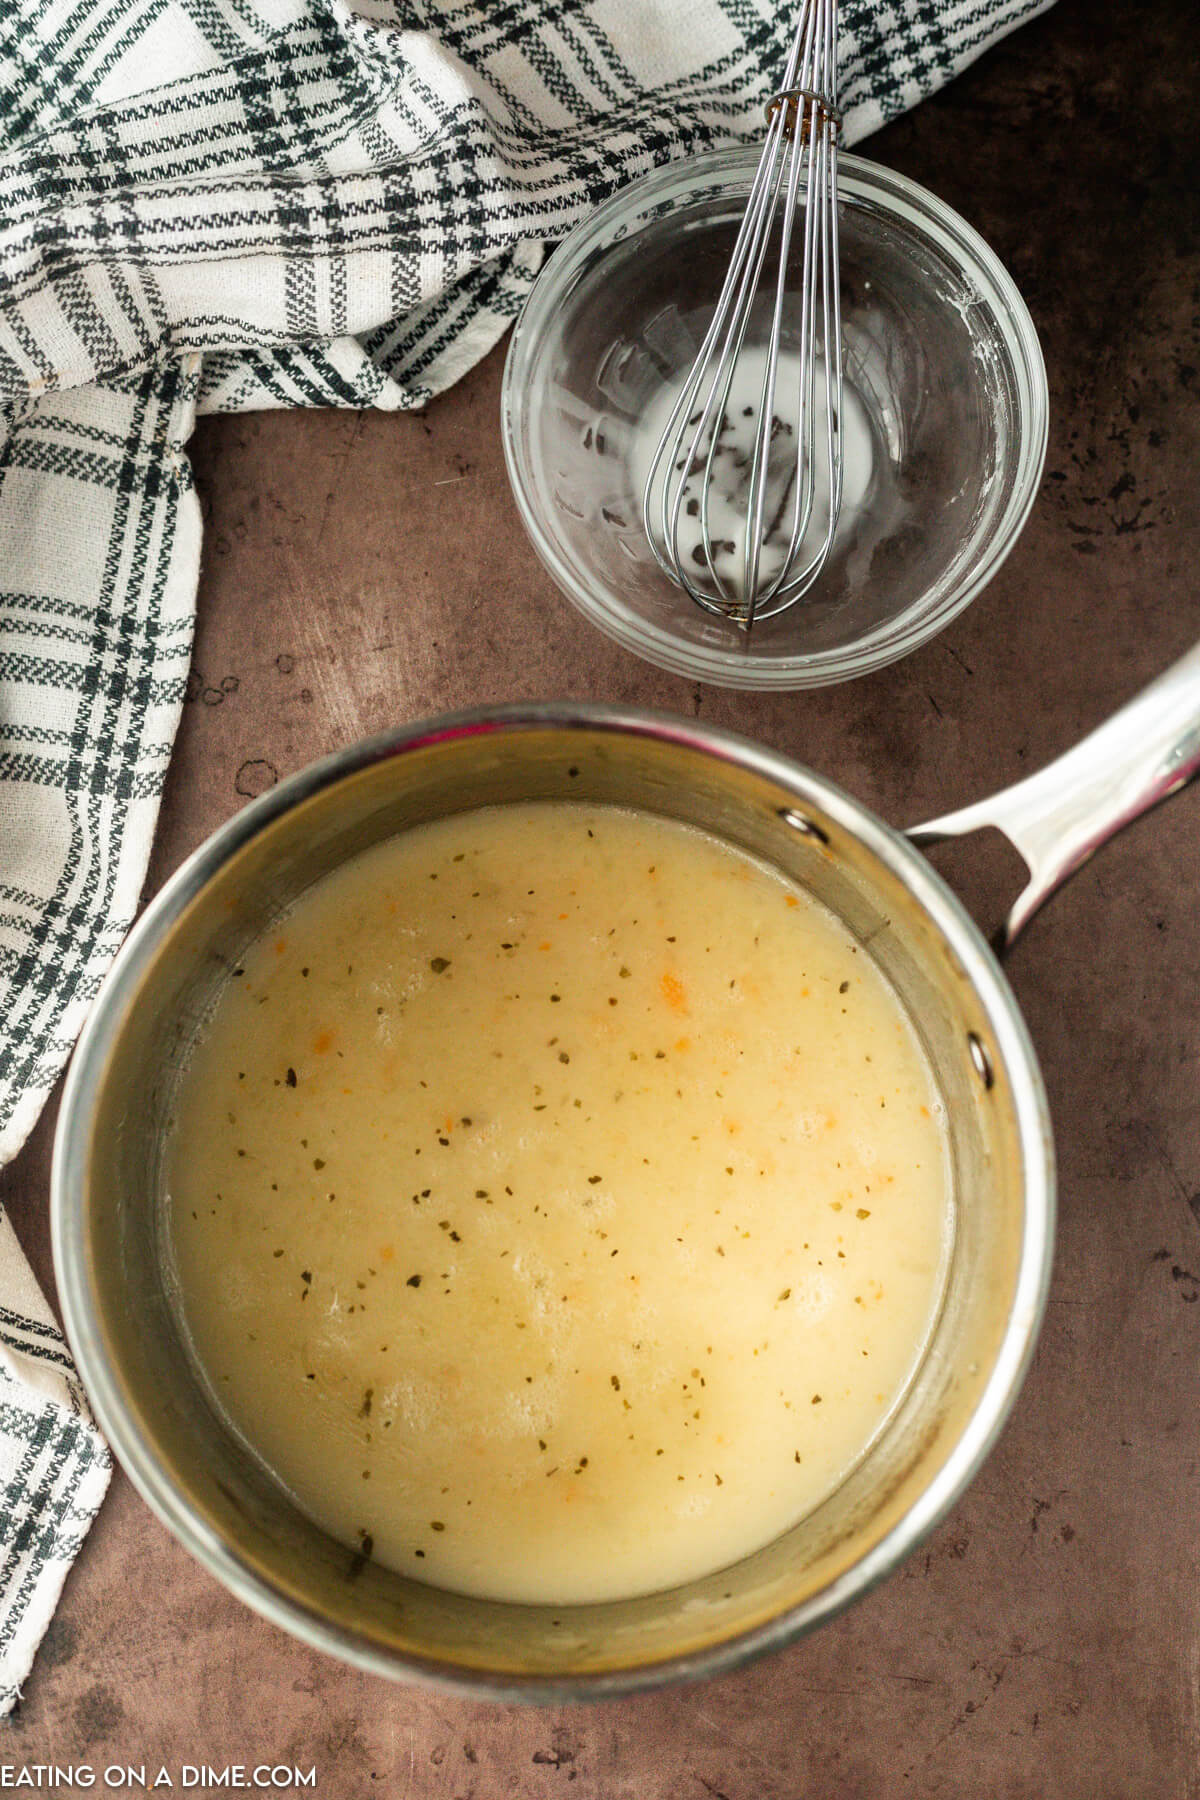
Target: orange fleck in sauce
(673, 991)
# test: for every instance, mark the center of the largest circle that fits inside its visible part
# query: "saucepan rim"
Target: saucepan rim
(69, 1201)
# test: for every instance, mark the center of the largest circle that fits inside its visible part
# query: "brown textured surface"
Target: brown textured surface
(362, 570)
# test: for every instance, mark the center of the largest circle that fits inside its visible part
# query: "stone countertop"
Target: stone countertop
(361, 570)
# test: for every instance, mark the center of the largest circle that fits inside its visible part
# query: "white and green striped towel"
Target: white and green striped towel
(217, 205)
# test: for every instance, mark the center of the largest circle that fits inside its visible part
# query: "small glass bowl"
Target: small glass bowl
(939, 348)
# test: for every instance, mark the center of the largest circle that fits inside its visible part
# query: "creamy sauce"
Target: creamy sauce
(559, 1203)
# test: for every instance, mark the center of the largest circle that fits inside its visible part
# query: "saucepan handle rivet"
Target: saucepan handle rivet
(799, 822)
(981, 1060)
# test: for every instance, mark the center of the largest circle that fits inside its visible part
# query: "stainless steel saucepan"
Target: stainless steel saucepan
(108, 1176)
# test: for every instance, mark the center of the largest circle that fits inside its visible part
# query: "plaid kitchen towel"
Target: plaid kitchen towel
(229, 204)
(53, 1464)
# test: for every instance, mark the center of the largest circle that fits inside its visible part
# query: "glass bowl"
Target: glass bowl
(943, 364)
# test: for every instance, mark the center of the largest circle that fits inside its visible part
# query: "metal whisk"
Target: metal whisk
(771, 482)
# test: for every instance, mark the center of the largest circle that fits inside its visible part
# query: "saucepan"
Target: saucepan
(108, 1210)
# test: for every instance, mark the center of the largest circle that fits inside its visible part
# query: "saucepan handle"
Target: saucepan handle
(1058, 817)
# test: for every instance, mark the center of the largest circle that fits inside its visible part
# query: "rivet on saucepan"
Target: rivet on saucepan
(799, 822)
(981, 1059)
